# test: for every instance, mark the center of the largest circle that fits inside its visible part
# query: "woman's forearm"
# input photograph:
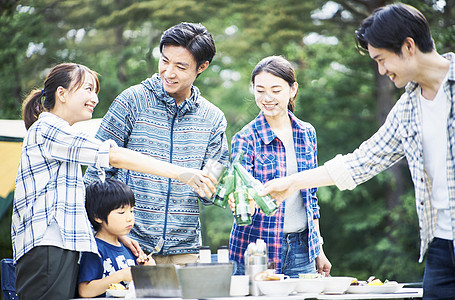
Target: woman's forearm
(123, 158)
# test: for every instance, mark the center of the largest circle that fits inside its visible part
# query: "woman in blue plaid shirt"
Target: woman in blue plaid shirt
(277, 144)
(49, 225)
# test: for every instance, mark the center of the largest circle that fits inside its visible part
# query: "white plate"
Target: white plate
(374, 289)
(117, 293)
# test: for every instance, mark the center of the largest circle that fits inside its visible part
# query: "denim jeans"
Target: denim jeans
(295, 256)
(439, 276)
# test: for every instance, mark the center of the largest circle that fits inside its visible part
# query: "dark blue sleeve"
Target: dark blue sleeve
(91, 267)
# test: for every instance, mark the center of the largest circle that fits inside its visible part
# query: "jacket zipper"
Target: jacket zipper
(169, 180)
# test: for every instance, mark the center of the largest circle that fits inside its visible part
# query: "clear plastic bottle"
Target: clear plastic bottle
(215, 169)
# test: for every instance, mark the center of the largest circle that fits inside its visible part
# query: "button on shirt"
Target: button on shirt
(265, 159)
(401, 136)
(50, 187)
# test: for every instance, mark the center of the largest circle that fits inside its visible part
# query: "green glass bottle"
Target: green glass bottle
(266, 203)
(225, 187)
(226, 184)
(242, 203)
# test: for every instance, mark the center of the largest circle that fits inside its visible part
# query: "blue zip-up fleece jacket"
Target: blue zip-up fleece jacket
(146, 119)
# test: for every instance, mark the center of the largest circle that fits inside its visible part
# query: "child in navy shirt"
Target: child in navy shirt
(109, 206)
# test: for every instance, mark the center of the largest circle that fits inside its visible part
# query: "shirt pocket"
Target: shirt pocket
(411, 143)
(306, 158)
(266, 166)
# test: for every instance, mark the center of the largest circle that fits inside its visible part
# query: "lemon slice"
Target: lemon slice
(375, 282)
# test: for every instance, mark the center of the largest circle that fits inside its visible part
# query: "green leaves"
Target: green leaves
(367, 231)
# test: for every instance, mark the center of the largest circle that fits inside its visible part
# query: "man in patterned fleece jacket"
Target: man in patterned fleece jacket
(166, 117)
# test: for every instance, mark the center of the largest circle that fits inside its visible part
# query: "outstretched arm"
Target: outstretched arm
(203, 183)
(281, 188)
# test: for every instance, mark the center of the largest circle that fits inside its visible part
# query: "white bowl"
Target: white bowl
(375, 289)
(313, 285)
(336, 285)
(117, 293)
(277, 287)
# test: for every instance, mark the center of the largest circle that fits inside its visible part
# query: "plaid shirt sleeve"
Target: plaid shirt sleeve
(49, 185)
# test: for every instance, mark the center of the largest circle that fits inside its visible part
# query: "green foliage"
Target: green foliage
(366, 231)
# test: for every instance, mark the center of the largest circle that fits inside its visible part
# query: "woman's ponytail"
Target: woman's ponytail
(70, 76)
(32, 107)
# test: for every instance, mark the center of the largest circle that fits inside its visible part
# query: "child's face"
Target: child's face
(120, 221)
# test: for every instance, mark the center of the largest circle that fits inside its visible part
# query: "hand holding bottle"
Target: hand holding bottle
(231, 201)
(202, 182)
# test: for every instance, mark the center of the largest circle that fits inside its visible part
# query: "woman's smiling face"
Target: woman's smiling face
(272, 94)
(80, 101)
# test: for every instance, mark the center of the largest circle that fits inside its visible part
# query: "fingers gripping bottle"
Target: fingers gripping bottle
(226, 185)
(266, 203)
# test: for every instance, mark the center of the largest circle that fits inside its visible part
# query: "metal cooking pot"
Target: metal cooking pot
(189, 281)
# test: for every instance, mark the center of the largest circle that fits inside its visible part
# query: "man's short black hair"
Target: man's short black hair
(193, 37)
(388, 27)
(103, 197)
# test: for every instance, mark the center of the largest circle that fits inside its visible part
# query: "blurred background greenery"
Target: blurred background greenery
(371, 230)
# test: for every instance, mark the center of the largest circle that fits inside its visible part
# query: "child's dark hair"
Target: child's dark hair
(67, 75)
(103, 197)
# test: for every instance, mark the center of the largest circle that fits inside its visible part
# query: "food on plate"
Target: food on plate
(355, 282)
(310, 275)
(375, 282)
(372, 281)
(116, 286)
(267, 275)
